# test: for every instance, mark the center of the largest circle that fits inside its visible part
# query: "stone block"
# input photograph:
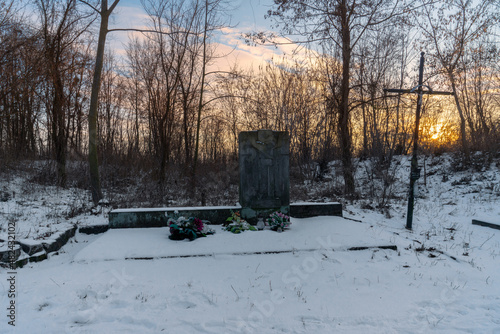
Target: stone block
(9, 255)
(55, 243)
(31, 247)
(158, 217)
(37, 257)
(307, 210)
(264, 171)
(93, 229)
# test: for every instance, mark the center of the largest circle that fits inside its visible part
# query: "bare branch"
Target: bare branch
(154, 31)
(88, 4)
(110, 10)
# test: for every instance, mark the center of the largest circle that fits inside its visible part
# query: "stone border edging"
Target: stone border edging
(37, 252)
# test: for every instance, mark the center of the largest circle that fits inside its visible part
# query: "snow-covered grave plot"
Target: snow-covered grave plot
(443, 278)
(319, 287)
(308, 235)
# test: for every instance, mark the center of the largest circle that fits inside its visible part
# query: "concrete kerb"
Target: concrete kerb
(158, 217)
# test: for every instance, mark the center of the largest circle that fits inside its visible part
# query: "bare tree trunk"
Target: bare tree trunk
(58, 130)
(463, 134)
(344, 112)
(200, 104)
(95, 181)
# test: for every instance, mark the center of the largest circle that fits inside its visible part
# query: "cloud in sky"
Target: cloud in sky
(235, 50)
(230, 45)
(126, 17)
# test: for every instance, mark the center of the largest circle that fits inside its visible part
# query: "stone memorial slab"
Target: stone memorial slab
(264, 173)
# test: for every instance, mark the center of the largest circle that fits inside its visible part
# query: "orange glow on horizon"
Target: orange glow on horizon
(436, 131)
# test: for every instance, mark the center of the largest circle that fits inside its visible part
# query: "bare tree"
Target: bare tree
(61, 27)
(136, 100)
(338, 27)
(20, 80)
(476, 84)
(110, 126)
(95, 180)
(449, 27)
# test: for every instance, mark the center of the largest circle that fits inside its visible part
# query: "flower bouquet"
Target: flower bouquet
(278, 221)
(236, 224)
(191, 228)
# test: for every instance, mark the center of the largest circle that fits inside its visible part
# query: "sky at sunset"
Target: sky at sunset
(242, 16)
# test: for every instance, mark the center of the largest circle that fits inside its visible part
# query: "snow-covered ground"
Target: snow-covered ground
(444, 277)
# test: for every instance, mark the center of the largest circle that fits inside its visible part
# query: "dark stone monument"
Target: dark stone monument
(264, 173)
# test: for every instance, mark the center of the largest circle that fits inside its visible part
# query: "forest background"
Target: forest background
(168, 113)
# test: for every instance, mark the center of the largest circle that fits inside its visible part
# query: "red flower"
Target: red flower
(198, 224)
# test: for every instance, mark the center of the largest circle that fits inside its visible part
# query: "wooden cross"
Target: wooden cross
(415, 171)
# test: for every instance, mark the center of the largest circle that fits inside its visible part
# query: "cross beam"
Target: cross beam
(415, 171)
